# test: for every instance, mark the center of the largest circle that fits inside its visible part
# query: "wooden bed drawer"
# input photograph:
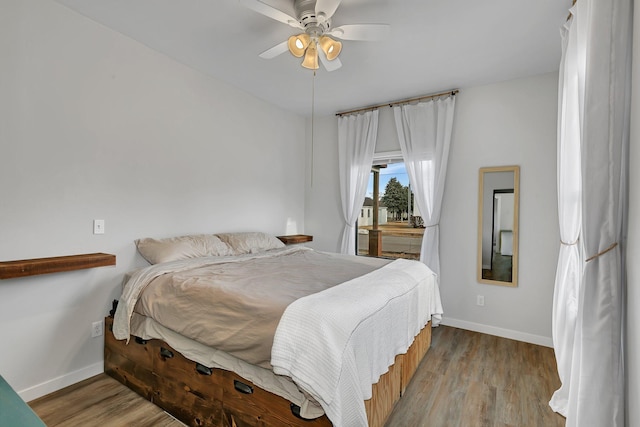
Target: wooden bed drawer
(191, 392)
(174, 367)
(245, 404)
(137, 351)
(160, 374)
(138, 377)
(188, 403)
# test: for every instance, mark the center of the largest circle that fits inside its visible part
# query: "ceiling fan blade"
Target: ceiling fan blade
(332, 65)
(278, 49)
(326, 8)
(270, 12)
(367, 32)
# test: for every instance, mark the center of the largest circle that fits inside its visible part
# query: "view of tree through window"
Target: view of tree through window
(398, 229)
(396, 199)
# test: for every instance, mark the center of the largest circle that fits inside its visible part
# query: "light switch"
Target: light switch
(98, 226)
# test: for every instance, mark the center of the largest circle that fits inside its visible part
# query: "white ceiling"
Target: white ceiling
(435, 45)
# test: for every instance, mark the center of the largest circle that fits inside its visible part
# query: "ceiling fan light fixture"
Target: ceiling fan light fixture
(330, 47)
(298, 44)
(311, 57)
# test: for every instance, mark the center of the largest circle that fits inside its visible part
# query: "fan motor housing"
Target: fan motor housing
(305, 9)
(306, 14)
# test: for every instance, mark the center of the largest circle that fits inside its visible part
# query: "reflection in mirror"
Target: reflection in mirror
(498, 196)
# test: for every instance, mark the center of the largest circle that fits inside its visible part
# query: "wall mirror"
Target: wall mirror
(498, 200)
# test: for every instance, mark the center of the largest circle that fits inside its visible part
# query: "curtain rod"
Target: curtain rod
(402, 101)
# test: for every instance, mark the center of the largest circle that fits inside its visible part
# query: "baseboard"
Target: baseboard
(60, 382)
(499, 332)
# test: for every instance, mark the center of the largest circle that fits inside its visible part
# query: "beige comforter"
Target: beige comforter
(235, 305)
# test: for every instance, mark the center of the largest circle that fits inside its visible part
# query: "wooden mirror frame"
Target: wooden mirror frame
(482, 278)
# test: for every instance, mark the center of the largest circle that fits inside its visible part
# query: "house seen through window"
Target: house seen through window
(395, 228)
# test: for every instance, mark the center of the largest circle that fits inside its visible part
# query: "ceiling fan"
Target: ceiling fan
(317, 39)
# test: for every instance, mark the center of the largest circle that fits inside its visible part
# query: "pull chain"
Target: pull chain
(313, 107)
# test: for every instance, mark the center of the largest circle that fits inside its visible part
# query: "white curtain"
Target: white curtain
(588, 318)
(357, 135)
(424, 132)
(569, 270)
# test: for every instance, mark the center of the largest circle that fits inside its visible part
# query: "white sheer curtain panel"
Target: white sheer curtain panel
(594, 378)
(357, 135)
(569, 270)
(424, 132)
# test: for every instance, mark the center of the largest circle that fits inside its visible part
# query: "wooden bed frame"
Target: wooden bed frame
(201, 396)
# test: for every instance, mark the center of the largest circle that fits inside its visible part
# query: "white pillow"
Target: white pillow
(250, 242)
(175, 248)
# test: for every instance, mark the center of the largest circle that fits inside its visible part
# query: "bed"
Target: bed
(239, 329)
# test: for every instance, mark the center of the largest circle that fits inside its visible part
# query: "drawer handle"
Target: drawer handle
(165, 353)
(203, 370)
(295, 410)
(242, 387)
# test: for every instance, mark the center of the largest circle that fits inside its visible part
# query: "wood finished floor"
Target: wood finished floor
(471, 379)
(467, 379)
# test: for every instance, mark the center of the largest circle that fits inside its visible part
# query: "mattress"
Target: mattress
(235, 305)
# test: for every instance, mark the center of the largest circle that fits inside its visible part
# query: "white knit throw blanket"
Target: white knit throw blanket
(337, 343)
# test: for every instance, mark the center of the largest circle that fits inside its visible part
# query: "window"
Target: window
(397, 230)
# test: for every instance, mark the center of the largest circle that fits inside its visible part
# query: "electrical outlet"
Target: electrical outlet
(98, 226)
(96, 329)
(480, 300)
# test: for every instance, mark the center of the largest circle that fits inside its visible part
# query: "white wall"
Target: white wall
(510, 123)
(633, 249)
(323, 211)
(95, 125)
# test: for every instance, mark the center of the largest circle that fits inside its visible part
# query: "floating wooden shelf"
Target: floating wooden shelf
(293, 239)
(32, 267)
